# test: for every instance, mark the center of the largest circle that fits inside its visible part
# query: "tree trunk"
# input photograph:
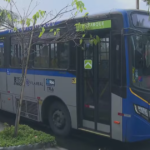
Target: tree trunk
(23, 84)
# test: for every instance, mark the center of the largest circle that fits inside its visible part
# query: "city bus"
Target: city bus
(102, 89)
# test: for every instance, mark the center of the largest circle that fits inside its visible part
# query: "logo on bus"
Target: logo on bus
(87, 64)
(18, 81)
(50, 82)
(28, 82)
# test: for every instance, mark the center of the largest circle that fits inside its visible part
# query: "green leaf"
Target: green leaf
(7, 1)
(83, 35)
(91, 42)
(15, 29)
(76, 13)
(95, 41)
(55, 33)
(9, 16)
(85, 14)
(42, 13)
(58, 30)
(1, 13)
(37, 15)
(42, 32)
(28, 22)
(77, 24)
(51, 30)
(97, 38)
(81, 41)
(34, 17)
(91, 36)
(15, 20)
(79, 5)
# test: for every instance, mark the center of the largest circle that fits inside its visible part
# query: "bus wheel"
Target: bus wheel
(59, 119)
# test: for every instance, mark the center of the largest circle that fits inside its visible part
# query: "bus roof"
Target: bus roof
(98, 15)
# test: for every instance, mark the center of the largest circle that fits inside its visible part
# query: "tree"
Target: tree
(4, 21)
(18, 23)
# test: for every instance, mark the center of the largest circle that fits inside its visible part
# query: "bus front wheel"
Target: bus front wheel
(59, 119)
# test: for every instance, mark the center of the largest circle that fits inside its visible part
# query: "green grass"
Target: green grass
(26, 136)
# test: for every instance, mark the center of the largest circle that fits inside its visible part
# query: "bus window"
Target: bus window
(1, 54)
(16, 55)
(54, 56)
(116, 59)
(59, 56)
(41, 56)
(18, 51)
(72, 56)
(103, 47)
(64, 56)
(103, 81)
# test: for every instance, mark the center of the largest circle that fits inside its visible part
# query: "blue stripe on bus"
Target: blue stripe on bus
(39, 72)
(51, 24)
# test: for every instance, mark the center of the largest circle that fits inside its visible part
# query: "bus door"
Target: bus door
(94, 87)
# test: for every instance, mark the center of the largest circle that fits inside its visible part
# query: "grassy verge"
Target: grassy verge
(26, 136)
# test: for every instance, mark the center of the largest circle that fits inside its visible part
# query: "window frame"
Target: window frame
(120, 90)
(9, 53)
(50, 68)
(138, 13)
(2, 41)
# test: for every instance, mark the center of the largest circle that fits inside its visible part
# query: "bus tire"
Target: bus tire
(59, 119)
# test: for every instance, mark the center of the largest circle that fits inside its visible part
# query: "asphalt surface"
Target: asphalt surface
(78, 140)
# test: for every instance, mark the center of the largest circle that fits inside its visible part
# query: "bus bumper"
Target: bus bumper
(138, 129)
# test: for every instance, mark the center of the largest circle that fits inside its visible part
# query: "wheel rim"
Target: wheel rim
(59, 119)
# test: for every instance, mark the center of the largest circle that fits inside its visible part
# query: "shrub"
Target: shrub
(26, 136)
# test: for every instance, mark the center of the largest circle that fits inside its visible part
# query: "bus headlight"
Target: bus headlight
(142, 111)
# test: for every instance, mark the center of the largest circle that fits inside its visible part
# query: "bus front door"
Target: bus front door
(94, 88)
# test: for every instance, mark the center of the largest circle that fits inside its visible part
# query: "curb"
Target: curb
(29, 147)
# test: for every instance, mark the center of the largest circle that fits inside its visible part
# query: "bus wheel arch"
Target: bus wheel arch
(51, 101)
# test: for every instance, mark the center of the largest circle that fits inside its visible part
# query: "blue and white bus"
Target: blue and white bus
(103, 89)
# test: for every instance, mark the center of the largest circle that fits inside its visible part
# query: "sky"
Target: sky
(93, 6)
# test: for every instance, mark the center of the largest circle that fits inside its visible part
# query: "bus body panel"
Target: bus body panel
(116, 107)
(3, 80)
(135, 128)
(14, 84)
(62, 86)
(37, 88)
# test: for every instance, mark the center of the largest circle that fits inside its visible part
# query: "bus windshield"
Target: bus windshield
(140, 60)
(141, 20)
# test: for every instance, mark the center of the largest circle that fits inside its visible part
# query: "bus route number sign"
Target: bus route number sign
(87, 64)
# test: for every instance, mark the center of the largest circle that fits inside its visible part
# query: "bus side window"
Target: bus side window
(116, 59)
(1, 54)
(41, 56)
(16, 55)
(53, 56)
(72, 52)
(59, 56)
(18, 51)
(64, 56)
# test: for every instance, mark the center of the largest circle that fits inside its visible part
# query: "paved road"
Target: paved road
(78, 140)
